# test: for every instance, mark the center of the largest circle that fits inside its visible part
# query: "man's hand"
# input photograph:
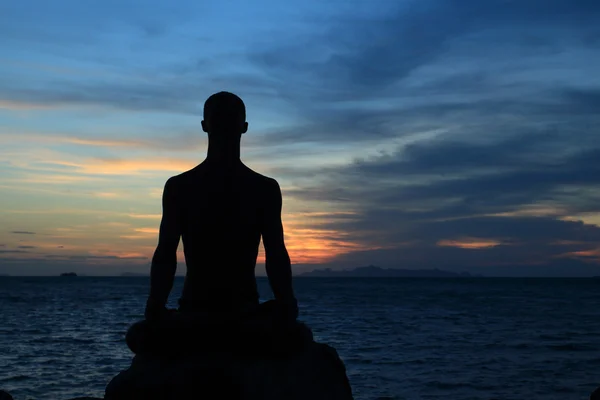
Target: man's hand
(287, 311)
(284, 312)
(291, 309)
(154, 310)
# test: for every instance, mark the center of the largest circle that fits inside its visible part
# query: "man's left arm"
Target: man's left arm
(164, 261)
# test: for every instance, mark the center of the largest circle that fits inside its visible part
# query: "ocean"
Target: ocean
(465, 338)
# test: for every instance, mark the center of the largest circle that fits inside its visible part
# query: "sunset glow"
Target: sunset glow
(469, 243)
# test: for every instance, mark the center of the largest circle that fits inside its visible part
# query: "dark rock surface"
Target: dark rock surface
(595, 394)
(5, 396)
(259, 362)
(316, 373)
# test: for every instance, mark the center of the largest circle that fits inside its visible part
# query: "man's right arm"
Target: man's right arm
(277, 263)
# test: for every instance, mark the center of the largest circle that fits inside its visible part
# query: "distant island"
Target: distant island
(372, 271)
(68, 274)
(130, 274)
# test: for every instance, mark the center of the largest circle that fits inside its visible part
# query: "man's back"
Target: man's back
(222, 211)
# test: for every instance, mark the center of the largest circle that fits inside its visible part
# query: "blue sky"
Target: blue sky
(453, 134)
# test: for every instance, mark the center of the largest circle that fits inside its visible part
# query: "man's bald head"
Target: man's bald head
(224, 114)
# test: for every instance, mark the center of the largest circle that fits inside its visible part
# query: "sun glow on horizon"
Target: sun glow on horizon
(470, 243)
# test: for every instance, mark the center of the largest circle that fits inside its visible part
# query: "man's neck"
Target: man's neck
(224, 152)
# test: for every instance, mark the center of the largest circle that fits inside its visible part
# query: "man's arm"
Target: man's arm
(164, 261)
(277, 263)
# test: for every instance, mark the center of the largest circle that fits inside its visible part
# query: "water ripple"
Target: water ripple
(400, 339)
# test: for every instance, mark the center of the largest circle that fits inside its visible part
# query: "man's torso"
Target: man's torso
(220, 214)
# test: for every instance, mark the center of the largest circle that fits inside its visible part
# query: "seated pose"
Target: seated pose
(221, 209)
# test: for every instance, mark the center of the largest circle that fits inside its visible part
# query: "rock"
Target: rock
(5, 396)
(595, 394)
(307, 371)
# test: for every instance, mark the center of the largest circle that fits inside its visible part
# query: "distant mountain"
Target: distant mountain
(133, 274)
(68, 274)
(376, 272)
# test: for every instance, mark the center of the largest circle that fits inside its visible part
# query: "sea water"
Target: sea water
(466, 338)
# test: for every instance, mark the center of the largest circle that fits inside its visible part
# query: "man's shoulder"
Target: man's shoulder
(193, 174)
(266, 180)
(176, 180)
(261, 179)
(185, 176)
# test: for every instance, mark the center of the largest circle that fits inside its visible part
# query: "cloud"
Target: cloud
(172, 93)
(373, 53)
(103, 142)
(434, 201)
(22, 233)
(145, 216)
(26, 247)
(90, 20)
(12, 251)
(182, 140)
(469, 243)
(20, 106)
(357, 58)
(106, 195)
(151, 231)
(68, 167)
(450, 66)
(105, 257)
(118, 166)
(479, 242)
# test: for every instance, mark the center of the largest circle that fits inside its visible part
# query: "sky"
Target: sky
(451, 134)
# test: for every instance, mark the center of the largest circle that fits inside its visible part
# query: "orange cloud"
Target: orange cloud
(586, 218)
(152, 231)
(34, 158)
(470, 243)
(144, 233)
(106, 195)
(590, 254)
(134, 237)
(312, 245)
(36, 142)
(145, 216)
(312, 218)
(587, 253)
(119, 234)
(119, 254)
(115, 166)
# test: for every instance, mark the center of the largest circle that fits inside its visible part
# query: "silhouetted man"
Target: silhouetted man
(220, 209)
